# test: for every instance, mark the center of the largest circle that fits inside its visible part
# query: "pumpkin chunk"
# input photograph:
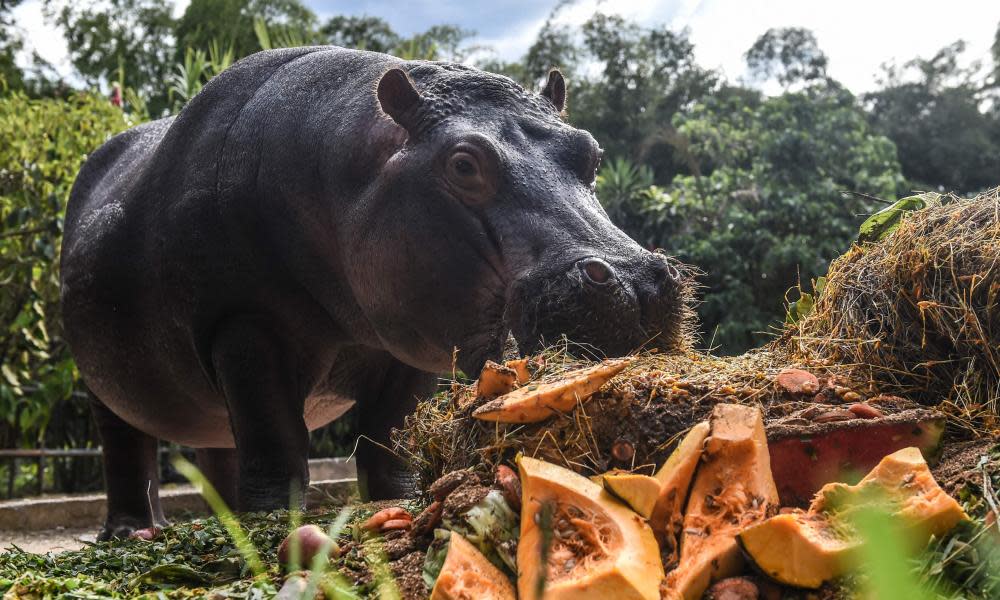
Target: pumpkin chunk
(597, 547)
(468, 575)
(807, 548)
(537, 402)
(495, 380)
(638, 491)
(732, 489)
(674, 477)
(520, 367)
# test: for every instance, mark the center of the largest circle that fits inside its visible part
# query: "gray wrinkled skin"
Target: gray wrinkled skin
(321, 227)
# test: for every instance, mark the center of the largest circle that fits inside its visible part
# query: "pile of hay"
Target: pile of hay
(919, 311)
(641, 411)
(915, 315)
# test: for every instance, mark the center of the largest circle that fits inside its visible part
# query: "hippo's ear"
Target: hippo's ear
(555, 90)
(398, 98)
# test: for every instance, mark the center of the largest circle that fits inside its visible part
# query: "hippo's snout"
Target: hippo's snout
(613, 305)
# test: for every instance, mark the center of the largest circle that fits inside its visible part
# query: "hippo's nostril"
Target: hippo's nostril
(595, 271)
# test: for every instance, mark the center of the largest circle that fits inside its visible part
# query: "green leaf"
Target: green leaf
(885, 221)
(171, 574)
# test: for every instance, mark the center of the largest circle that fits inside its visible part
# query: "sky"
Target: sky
(857, 35)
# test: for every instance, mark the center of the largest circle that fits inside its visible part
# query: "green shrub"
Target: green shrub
(44, 143)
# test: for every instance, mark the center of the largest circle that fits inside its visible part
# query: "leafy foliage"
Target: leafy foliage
(46, 141)
(129, 41)
(765, 206)
(935, 112)
(790, 54)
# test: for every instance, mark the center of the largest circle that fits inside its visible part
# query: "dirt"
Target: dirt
(409, 576)
(957, 466)
(50, 540)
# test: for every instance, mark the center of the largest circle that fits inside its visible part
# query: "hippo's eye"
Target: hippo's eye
(470, 171)
(464, 167)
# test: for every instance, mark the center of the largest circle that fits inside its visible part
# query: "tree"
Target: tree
(767, 209)
(363, 33)
(790, 54)
(129, 41)
(230, 23)
(937, 114)
(11, 77)
(647, 76)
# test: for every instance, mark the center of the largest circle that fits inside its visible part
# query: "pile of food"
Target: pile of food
(809, 468)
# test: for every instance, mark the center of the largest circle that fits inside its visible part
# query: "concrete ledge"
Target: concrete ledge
(334, 483)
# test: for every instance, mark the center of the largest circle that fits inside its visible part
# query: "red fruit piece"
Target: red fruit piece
(311, 540)
(797, 381)
(865, 411)
(807, 455)
(147, 534)
(510, 486)
(395, 513)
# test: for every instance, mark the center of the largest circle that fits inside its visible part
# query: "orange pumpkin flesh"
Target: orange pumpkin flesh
(520, 367)
(732, 489)
(599, 547)
(537, 402)
(807, 548)
(468, 575)
(638, 491)
(495, 380)
(674, 477)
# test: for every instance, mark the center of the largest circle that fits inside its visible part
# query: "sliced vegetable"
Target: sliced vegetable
(667, 516)
(732, 489)
(578, 542)
(468, 575)
(491, 526)
(638, 491)
(808, 548)
(520, 367)
(495, 380)
(537, 402)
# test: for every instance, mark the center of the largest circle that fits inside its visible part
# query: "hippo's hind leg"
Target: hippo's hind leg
(131, 475)
(257, 374)
(221, 467)
(381, 474)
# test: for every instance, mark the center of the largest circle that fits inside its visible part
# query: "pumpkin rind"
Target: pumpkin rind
(468, 575)
(732, 489)
(600, 548)
(807, 548)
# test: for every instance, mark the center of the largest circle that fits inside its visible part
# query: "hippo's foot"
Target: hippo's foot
(389, 484)
(119, 528)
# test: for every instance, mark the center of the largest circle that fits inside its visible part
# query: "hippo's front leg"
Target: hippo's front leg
(383, 475)
(256, 373)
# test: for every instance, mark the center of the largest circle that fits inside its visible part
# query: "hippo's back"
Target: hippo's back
(169, 233)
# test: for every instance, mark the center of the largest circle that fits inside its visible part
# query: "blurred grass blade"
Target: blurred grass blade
(226, 517)
(885, 558)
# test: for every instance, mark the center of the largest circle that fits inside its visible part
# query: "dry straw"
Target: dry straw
(918, 311)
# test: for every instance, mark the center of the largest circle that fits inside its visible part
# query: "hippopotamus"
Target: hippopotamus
(320, 228)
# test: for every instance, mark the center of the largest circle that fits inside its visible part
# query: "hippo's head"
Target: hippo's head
(491, 226)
